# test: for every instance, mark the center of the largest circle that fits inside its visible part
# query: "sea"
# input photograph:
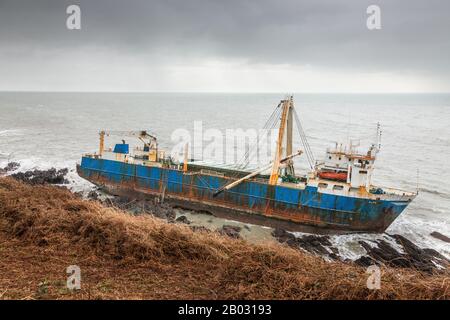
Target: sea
(41, 130)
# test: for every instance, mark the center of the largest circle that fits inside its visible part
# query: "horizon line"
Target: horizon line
(218, 92)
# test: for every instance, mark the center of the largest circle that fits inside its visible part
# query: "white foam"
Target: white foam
(76, 183)
(11, 132)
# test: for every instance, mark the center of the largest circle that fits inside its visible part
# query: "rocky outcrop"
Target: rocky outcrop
(440, 236)
(230, 231)
(426, 260)
(183, 219)
(159, 210)
(377, 252)
(93, 195)
(37, 177)
(11, 166)
(200, 229)
(315, 244)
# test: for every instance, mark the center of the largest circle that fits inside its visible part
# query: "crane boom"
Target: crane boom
(140, 134)
(287, 104)
(251, 175)
(133, 133)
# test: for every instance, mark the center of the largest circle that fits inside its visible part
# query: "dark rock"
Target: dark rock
(183, 219)
(204, 212)
(93, 195)
(35, 177)
(200, 211)
(199, 229)
(282, 235)
(230, 231)
(334, 256)
(312, 243)
(414, 257)
(365, 261)
(78, 194)
(440, 236)
(11, 166)
(315, 244)
(159, 210)
(385, 253)
(436, 255)
(422, 259)
(334, 250)
(163, 211)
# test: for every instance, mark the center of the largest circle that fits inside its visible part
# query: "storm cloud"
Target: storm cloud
(216, 45)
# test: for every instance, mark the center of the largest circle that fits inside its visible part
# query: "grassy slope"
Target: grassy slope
(45, 229)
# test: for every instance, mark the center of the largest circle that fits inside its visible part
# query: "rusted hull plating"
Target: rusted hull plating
(253, 202)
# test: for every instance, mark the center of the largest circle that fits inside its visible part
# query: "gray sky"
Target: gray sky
(232, 45)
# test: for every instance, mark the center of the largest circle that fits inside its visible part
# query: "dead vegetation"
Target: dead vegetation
(44, 229)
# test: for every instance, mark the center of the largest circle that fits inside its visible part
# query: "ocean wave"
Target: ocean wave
(418, 230)
(76, 183)
(434, 192)
(11, 132)
(441, 141)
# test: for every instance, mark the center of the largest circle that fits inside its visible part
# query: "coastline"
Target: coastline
(46, 228)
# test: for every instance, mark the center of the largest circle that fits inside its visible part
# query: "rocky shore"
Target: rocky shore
(36, 177)
(405, 254)
(378, 252)
(45, 228)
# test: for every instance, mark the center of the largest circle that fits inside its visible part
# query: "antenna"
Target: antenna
(376, 145)
(417, 190)
(378, 135)
(348, 125)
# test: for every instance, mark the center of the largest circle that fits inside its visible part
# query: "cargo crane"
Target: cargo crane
(283, 154)
(149, 140)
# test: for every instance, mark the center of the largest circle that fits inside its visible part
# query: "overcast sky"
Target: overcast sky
(225, 45)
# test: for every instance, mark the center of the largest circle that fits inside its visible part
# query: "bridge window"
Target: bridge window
(338, 187)
(323, 185)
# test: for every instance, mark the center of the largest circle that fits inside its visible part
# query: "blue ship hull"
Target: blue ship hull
(291, 208)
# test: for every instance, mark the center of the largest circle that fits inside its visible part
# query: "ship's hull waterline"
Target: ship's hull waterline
(253, 202)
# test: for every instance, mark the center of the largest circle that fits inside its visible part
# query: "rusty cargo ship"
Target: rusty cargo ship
(336, 195)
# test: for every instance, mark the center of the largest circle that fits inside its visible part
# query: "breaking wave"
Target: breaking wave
(10, 132)
(435, 192)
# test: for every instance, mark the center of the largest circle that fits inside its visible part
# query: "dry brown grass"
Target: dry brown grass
(44, 229)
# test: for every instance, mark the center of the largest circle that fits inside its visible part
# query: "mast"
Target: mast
(286, 113)
(101, 146)
(289, 128)
(186, 150)
(283, 156)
